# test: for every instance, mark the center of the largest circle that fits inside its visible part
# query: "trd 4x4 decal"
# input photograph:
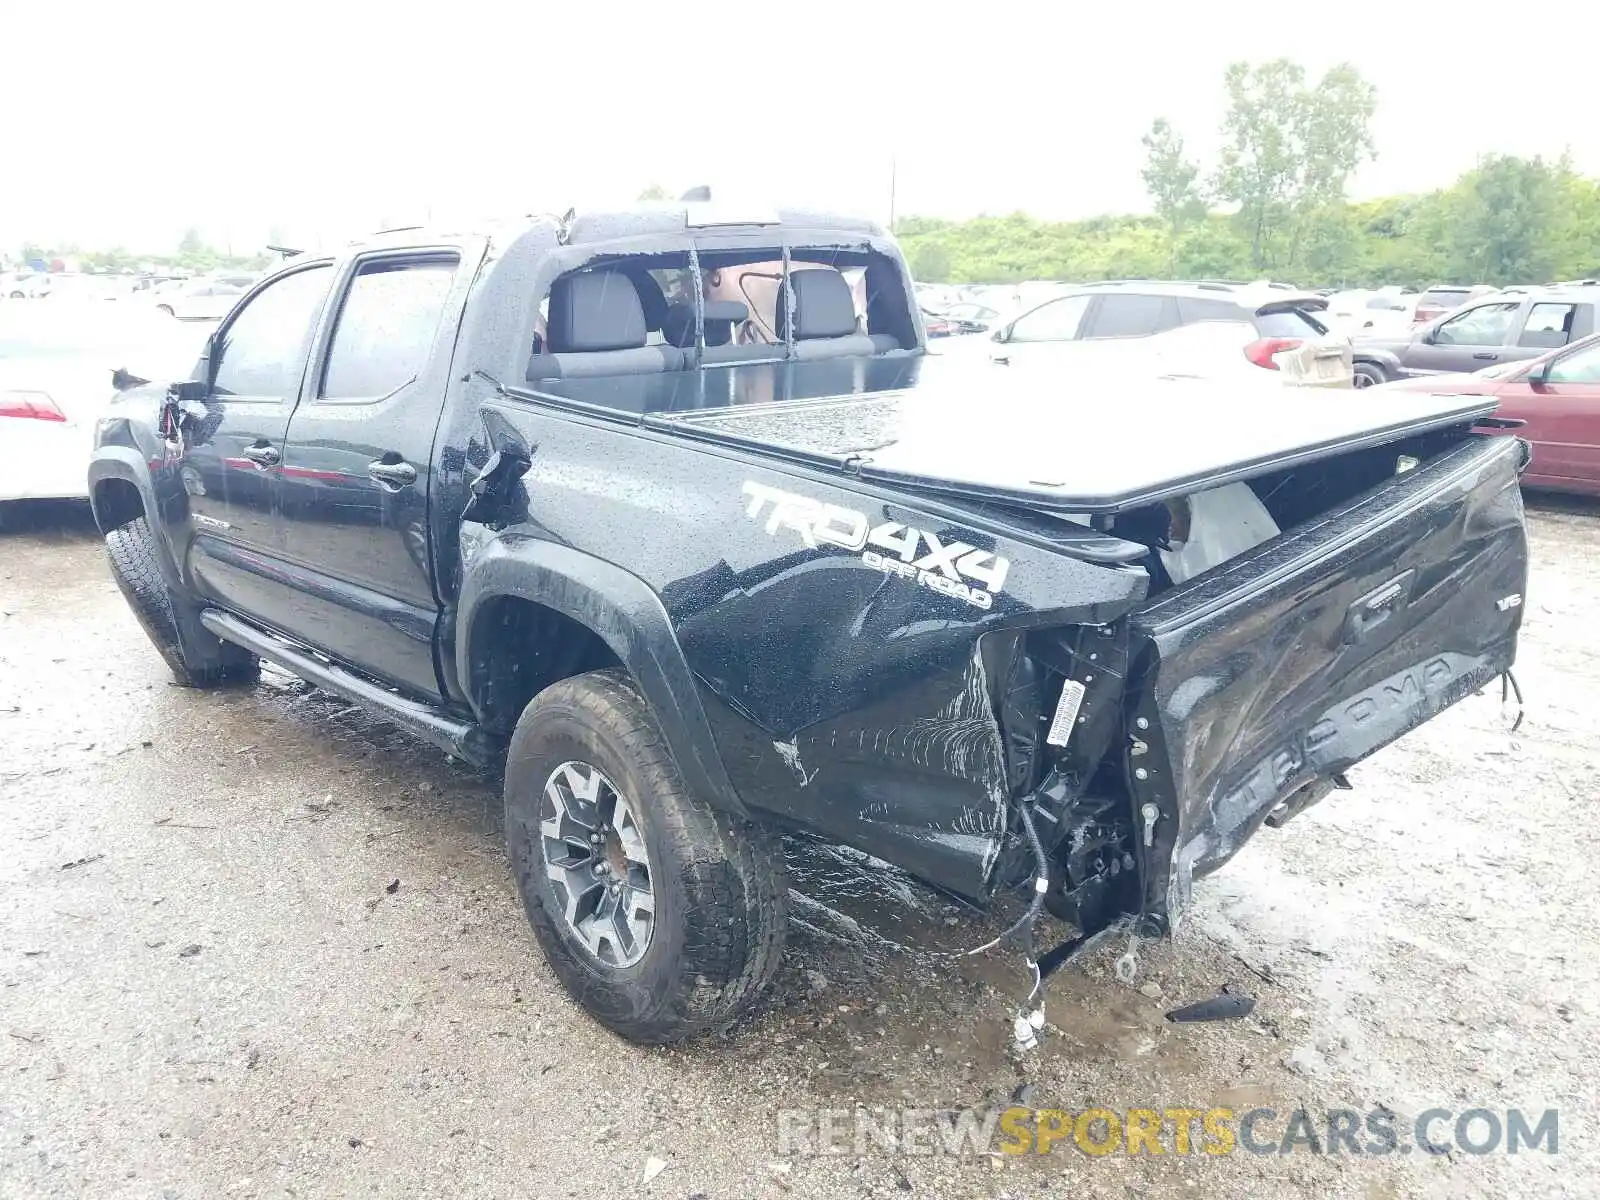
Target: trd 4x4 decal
(949, 568)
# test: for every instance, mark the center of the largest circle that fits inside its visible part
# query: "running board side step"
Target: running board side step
(455, 737)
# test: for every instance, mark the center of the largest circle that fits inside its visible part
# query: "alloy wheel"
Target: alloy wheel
(597, 864)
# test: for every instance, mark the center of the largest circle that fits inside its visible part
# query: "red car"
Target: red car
(1558, 395)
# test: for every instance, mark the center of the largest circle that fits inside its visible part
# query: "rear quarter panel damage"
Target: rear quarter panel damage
(843, 699)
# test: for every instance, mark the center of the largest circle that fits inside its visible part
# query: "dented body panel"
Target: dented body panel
(1286, 667)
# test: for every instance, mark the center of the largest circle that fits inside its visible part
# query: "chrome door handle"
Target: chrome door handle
(397, 474)
(262, 456)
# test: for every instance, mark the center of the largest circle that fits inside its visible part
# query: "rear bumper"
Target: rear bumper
(43, 460)
(1300, 659)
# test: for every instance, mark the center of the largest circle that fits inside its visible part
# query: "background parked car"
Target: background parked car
(207, 299)
(1500, 327)
(24, 285)
(1250, 327)
(55, 383)
(1446, 298)
(1558, 395)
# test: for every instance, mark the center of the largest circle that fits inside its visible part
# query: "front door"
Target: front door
(1562, 411)
(231, 459)
(357, 463)
(1039, 333)
(1471, 340)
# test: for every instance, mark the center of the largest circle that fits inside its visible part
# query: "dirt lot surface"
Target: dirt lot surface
(253, 944)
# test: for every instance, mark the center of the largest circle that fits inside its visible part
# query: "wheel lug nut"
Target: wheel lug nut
(594, 839)
(599, 868)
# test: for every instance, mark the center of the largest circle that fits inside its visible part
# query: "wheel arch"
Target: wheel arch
(120, 489)
(617, 620)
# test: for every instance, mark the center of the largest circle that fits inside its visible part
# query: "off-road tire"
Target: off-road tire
(132, 551)
(1371, 372)
(720, 890)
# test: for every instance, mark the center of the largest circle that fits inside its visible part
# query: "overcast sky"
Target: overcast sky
(123, 124)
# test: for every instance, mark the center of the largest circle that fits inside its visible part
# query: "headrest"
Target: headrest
(593, 311)
(823, 306)
(651, 298)
(720, 317)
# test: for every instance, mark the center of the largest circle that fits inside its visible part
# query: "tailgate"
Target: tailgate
(1291, 663)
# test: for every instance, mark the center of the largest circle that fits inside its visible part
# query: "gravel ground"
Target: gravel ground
(252, 943)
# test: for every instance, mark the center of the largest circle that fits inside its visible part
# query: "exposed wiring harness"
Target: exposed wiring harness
(1030, 1018)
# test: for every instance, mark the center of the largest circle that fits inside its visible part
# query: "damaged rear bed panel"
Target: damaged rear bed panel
(1291, 663)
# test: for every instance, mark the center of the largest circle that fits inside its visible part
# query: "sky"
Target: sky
(126, 124)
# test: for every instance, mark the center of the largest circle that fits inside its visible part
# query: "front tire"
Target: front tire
(661, 916)
(131, 549)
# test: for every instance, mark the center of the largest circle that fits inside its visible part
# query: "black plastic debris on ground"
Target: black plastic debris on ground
(1227, 1007)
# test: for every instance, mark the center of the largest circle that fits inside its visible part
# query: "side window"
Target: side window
(1485, 325)
(1549, 326)
(263, 351)
(1581, 366)
(1056, 321)
(385, 328)
(1133, 316)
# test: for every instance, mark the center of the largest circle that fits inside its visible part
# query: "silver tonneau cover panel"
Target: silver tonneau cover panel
(1085, 444)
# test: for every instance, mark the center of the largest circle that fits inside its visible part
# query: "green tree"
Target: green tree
(930, 261)
(190, 243)
(1289, 150)
(654, 192)
(1172, 181)
(1505, 212)
(1260, 167)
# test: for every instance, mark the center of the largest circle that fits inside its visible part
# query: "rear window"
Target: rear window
(1444, 297)
(1288, 323)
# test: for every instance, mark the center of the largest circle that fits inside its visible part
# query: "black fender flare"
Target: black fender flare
(127, 464)
(625, 613)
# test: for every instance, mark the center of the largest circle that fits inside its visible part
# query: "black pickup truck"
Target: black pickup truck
(670, 516)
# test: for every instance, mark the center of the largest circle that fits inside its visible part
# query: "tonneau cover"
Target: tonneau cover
(1085, 443)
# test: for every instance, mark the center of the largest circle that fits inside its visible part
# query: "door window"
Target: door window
(1549, 326)
(1133, 316)
(386, 328)
(263, 350)
(1056, 321)
(1581, 366)
(1485, 325)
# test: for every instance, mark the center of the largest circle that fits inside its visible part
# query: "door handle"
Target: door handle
(262, 456)
(1486, 356)
(397, 474)
(1003, 359)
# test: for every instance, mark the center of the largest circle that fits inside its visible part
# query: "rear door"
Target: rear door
(230, 465)
(357, 464)
(1469, 340)
(1562, 411)
(1132, 315)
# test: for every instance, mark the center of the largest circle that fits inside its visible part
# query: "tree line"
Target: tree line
(192, 253)
(1273, 205)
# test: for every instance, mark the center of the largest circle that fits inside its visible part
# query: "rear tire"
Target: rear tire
(1366, 374)
(706, 895)
(131, 549)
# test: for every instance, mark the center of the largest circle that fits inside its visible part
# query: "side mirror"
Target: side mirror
(1426, 337)
(1539, 374)
(1003, 334)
